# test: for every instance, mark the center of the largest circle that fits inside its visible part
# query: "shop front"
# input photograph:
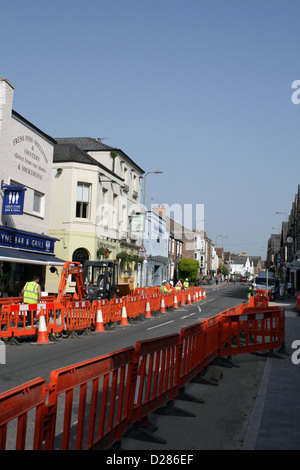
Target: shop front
(23, 254)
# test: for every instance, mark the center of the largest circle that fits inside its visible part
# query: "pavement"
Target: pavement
(253, 406)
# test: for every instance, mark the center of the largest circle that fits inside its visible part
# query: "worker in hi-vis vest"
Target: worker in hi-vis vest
(31, 295)
(186, 284)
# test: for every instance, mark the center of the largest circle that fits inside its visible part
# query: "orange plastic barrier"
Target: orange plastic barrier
(17, 403)
(157, 377)
(78, 315)
(18, 320)
(102, 388)
(192, 352)
(212, 340)
(256, 329)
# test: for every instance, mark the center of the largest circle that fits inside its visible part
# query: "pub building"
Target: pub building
(26, 157)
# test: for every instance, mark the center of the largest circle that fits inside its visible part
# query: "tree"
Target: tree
(189, 268)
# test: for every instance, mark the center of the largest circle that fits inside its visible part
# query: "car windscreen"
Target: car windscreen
(263, 280)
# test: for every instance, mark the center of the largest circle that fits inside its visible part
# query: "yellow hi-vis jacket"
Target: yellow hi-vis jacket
(31, 294)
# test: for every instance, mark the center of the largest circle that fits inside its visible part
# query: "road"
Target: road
(26, 362)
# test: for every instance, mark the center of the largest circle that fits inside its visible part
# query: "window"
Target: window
(37, 203)
(82, 201)
(81, 255)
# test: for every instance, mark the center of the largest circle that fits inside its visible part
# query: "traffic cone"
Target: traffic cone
(196, 296)
(200, 294)
(148, 311)
(175, 304)
(204, 294)
(124, 321)
(42, 337)
(189, 302)
(99, 322)
(162, 306)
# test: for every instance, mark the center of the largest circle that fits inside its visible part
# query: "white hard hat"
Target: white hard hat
(186, 279)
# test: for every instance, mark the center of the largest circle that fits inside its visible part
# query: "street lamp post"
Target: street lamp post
(217, 239)
(285, 247)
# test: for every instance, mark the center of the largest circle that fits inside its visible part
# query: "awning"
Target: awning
(12, 255)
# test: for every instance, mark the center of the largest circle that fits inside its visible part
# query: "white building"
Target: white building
(26, 156)
(241, 265)
(97, 188)
(155, 239)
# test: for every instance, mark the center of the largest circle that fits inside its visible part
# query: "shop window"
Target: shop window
(83, 200)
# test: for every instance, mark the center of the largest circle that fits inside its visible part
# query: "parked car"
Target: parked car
(243, 279)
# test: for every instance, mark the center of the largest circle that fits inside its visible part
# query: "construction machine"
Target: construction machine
(94, 280)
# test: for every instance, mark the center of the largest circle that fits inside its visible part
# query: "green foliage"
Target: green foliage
(188, 268)
(124, 256)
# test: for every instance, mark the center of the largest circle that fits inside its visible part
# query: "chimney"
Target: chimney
(161, 210)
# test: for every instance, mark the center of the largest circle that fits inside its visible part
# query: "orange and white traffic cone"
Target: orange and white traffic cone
(99, 322)
(42, 337)
(175, 304)
(200, 294)
(189, 302)
(196, 296)
(204, 294)
(148, 311)
(124, 321)
(162, 306)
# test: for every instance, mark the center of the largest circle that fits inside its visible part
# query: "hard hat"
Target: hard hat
(186, 279)
(164, 281)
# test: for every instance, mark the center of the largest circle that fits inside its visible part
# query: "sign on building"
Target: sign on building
(13, 199)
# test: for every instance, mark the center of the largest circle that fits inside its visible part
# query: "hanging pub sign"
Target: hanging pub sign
(13, 199)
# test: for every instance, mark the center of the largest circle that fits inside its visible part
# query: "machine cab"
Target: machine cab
(100, 279)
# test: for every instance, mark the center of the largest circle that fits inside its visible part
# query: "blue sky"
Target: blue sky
(200, 89)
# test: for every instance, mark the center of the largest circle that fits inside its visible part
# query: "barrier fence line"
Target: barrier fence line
(90, 405)
(20, 320)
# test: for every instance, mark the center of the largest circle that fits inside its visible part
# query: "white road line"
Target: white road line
(162, 324)
(186, 316)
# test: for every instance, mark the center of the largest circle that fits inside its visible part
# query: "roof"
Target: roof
(89, 144)
(32, 126)
(239, 259)
(72, 153)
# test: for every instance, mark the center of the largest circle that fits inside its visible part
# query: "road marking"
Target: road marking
(162, 324)
(186, 316)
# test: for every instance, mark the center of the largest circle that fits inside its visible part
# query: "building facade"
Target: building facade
(26, 156)
(97, 191)
(155, 240)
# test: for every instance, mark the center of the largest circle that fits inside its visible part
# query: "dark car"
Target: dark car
(243, 279)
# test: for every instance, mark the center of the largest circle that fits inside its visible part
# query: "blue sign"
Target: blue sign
(13, 200)
(26, 241)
